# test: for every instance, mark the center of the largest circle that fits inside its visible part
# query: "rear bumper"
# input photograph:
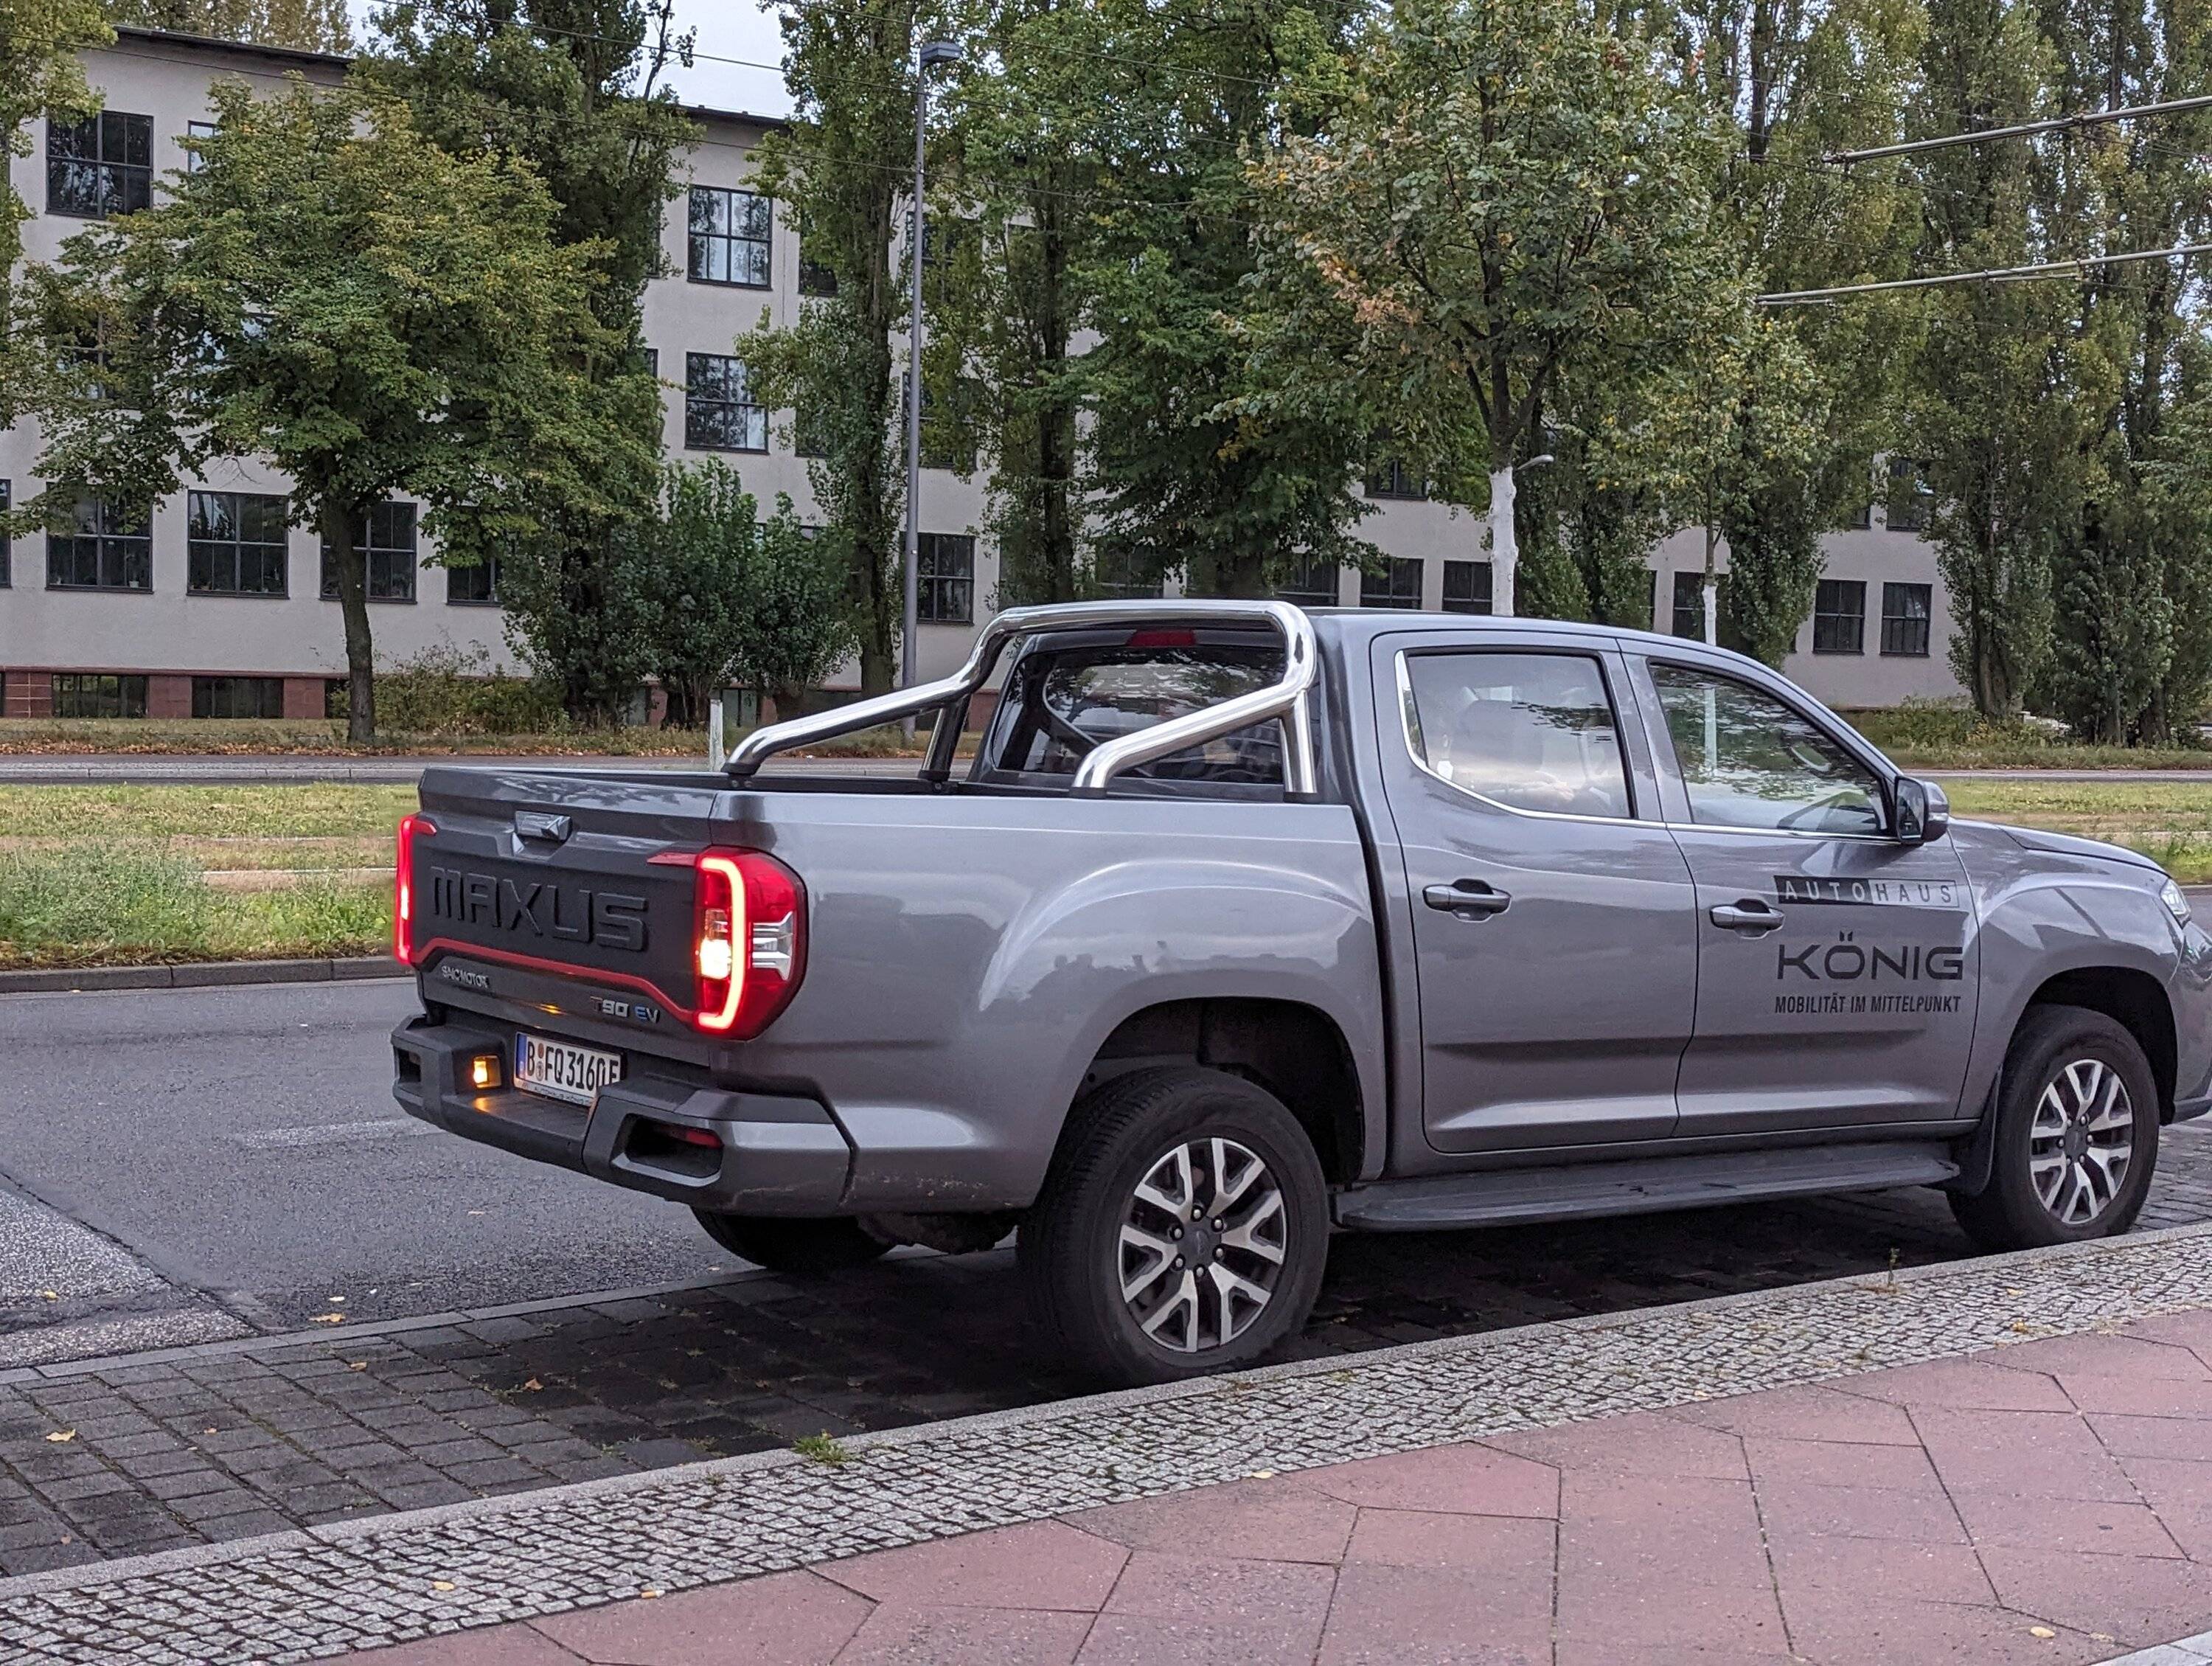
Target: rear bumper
(777, 1156)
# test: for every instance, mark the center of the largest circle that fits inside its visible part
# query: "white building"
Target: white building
(214, 607)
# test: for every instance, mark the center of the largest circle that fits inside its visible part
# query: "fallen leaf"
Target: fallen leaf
(532, 1386)
(328, 1319)
(2043, 1631)
(356, 1365)
(50, 1295)
(441, 1584)
(60, 1435)
(1263, 1475)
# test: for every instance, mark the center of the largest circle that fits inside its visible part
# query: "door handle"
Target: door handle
(1468, 898)
(1747, 915)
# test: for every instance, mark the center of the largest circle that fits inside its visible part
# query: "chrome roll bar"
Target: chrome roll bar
(1286, 699)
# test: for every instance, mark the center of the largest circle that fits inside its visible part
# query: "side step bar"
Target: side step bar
(1641, 1186)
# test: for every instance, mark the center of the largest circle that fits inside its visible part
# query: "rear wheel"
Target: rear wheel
(803, 1247)
(2077, 1135)
(1183, 1229)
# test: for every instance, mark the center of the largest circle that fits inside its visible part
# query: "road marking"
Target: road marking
(331, 1133)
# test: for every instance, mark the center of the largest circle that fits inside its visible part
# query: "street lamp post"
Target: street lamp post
(933, 52)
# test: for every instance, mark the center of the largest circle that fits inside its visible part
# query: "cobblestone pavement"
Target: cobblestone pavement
(1894, 1516)
(307, 1595)
(220, 1444)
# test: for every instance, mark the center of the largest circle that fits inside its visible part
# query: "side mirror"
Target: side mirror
(1924, 814)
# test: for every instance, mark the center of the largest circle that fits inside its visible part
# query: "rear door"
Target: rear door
(1837, 967)
(1554, 943)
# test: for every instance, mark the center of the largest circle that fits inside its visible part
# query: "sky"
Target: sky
(727, 29)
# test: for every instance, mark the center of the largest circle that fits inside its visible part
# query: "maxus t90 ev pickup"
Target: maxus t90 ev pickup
(1245, 926)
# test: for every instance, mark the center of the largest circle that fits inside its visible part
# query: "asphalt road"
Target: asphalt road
(189, 1164)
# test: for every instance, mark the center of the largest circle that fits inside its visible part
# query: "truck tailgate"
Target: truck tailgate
(562, 872)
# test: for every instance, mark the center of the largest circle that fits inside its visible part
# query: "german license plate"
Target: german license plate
(563, 1070)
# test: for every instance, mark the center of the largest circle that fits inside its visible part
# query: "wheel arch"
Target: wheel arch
(2132, 998)
(1294, 1050)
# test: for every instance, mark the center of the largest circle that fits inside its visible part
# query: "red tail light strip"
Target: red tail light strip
(402, 886)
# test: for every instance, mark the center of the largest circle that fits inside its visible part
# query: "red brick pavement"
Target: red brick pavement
(2047, 1503)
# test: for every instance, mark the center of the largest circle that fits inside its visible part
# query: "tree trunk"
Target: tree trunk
(338, 522)
(1505, 546)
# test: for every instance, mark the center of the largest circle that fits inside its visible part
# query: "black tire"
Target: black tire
(2010, 1213)
(806, 1248)
(1070, 1251)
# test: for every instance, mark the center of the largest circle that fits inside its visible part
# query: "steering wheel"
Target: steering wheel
(1836, 799)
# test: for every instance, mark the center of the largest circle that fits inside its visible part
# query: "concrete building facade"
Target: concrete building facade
(212, 606)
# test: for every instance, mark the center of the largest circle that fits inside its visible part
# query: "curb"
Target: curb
(200, 975)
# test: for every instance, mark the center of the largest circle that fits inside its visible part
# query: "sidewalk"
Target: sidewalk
(2050, 1502)
(1944, 1463)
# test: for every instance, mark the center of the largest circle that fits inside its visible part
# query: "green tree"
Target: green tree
(577, 89)
(1501, 193)
(1024, 174)
(730, 599)
(39, 75)
(1224, 444)
(2134, 653)
(334, 293)
(314, 26)
(1995, 417)
(849, 65)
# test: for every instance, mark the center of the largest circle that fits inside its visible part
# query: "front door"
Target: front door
(1837, 967)
(1554, 939)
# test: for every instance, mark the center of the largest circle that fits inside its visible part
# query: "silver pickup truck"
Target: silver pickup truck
(1245, 926)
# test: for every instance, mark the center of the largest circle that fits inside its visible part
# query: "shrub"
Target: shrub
(447, 689)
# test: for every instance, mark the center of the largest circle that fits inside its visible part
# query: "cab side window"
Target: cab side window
(1747, 760)
(1529, 731)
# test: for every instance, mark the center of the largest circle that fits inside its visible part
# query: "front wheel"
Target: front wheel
(2077, 1135)
(1182, 1228)
(805, 1248)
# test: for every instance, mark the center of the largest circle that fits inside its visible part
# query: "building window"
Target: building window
(1690, 605)
(106, 546)
(1120, 575)
(80, 694)
(7, 574)
(1467, 587)
(1398, 585)
(948, 441)
(816, 277)
(729, 234)
(236, 544)
(100, 166)
(238, 696)
(1905, 611)
(197, 130)
(1839, 616)
(719, 412)
(473, 587)
(387, 541)
(1910, 496)
(1395, 479)
(1310, 584)
(945, 563)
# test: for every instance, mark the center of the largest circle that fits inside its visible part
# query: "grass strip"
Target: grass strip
(126, 905)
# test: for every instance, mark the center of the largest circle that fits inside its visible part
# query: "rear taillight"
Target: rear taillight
(403, 887)
(749, 940)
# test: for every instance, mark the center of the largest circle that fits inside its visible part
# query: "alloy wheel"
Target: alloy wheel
(2081, 1141)
(1201, 1245)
